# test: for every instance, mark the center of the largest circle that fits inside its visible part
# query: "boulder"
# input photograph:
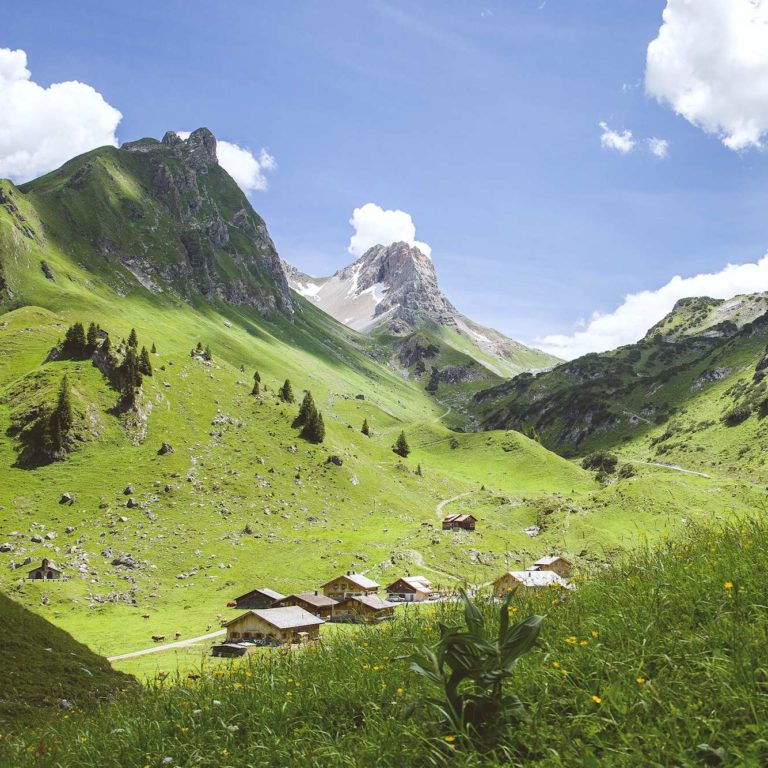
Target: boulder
(165, 448)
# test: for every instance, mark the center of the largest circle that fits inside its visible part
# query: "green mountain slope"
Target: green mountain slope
(691, 392)
(46, 673)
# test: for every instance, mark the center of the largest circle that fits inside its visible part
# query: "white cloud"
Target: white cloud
(620, 142)
(375, 226)
(242, 165)
(658, 148)
(41, 128)
(709, 62)
(640, 311)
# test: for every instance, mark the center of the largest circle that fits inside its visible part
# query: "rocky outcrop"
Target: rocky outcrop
(221, 250)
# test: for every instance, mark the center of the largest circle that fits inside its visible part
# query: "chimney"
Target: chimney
(316, 592)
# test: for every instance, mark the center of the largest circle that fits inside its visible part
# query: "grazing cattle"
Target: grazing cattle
(144, 615)
(158, 638)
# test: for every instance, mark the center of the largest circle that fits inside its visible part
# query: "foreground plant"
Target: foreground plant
(470, 667)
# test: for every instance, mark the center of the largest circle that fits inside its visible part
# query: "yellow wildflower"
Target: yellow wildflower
(597, 700)
(595, 634)
(640, 681)
(571, 639)
(237, 685)
(449, 739)
(556, 664)
(400, 691)
(583, 642)
(728, 585)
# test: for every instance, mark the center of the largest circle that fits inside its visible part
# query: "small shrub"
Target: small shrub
(736, 415)
(601, 461)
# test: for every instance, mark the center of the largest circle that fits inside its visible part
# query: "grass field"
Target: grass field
(655, 662)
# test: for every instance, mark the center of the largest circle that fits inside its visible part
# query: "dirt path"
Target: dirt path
(442, 504)
(418, 560)
(167, 646)
(674, 467)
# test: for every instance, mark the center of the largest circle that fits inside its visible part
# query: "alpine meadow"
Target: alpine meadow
(267, 503)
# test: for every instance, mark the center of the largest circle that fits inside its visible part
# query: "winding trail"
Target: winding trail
(674, 467)
(167, 646)
(442, 504)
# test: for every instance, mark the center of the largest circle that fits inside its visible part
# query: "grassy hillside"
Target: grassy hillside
(46, 673)
(656, 661)
(691, 393)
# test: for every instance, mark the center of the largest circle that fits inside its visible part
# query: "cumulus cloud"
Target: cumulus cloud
(375, 226)
(41, 128)
(620, 142)
(658, 148)
(639, 311)
(709, 62)
(242, 165)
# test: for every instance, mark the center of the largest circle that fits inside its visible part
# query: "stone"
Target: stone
(165, 448)
(128, 490)
(5, 547)
(37, 539)
(67, 498)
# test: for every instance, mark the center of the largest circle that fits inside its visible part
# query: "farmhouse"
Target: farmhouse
(257, 598)
(349, 585)
(555, 563)
(454, 522)
(312, 602)
(46, 570)
(289, 624)
(365, 608)
(409, 589)
(525, 580)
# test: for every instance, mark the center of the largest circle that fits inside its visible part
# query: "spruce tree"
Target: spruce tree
(365, 428)
(74, 340)
(144, 365)
(62, 417)
(285, 393)
(130, 376)
(256, 383)
(106, 346)
(314, 429)
(92, 338)
(154, 349)
(434, 381)
(307, 409)
(401, 447)
(207, 353)
(133, 339)
(199, 348)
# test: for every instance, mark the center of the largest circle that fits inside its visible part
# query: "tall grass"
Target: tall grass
(659, 662)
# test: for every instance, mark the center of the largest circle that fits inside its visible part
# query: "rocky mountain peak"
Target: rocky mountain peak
(198, 150)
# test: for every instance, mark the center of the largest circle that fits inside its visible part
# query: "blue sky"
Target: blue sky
(480, 119)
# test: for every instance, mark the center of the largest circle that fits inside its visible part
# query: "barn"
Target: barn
(46, 570)
(409, 589)
(365, 608)
(525, 580)
(349, 585)
(456, 522)
(286, 625)
(262, 597)
(312, 602)
(555, 563)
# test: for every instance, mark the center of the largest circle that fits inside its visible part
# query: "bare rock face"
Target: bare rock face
(215, 225)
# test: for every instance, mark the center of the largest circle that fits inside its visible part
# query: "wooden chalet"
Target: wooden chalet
(46, 570)
(312, 602)
(257, 599)
(286, 625)
(525, 580)
(463, 522)
(364, 608)
(349, 585)
(409, 589)
(555, 563)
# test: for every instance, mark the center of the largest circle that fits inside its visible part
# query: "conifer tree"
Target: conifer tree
(74, 340)
(365, 429)
(207, 353)
(92, 337)
(133, 339)
(307, 409)
(144, 364)
(434, 381)
(106, 346)
(62, 417)
(199, 348)
(154, 349)
(314, 429)
(256, 382)
(401, 447)
(130, 376)
(285, 393)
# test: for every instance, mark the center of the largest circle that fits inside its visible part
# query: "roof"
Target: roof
(356, 578)
(312, 598)
(287, 617)
(417, 583)
(266, 591)
(552, 559)
(46, 563)
(374, 602)
(538, 579)
(458, 518)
